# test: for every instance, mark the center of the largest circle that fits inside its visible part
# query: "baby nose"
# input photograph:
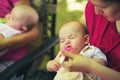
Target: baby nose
(67, 41)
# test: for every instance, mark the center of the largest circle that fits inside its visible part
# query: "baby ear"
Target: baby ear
(86, 37)
(24, 29)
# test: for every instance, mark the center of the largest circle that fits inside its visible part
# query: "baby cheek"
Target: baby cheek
(62, 48)
(76, 49)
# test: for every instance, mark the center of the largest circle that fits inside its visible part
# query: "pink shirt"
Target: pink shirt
(14, 53)
(103, 34)
(6, 6)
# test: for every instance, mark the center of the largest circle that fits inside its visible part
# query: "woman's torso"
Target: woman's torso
(103, 34)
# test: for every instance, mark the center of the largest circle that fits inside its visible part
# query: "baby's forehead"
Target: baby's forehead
(68, 32)
(72, 27)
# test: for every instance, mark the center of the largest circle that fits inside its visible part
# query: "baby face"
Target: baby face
(71, 38)
(14, 18)
(13, 21)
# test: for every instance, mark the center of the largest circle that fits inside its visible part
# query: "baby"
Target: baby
(22, 18)
(74, 39)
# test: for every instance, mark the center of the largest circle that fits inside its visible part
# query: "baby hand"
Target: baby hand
(53, 65)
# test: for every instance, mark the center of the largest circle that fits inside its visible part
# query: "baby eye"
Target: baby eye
(12, 17)
(62, 41)
(72, 36)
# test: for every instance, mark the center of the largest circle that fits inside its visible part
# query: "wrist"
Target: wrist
(92, 66)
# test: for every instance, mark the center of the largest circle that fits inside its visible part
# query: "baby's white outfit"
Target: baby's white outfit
(7, 32)
(88, 51)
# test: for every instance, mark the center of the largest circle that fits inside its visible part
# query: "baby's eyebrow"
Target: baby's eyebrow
(61, 38)
(72, 35)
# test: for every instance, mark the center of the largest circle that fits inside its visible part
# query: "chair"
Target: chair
(18, 66)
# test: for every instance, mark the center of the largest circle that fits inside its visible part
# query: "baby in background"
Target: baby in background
(74, 39)
(22, 18)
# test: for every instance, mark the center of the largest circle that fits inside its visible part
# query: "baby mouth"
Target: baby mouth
(68, 48)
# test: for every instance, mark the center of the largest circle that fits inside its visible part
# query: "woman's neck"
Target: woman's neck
(118, 26)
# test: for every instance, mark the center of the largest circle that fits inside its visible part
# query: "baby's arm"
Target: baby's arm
(99, 56)
(94, 54)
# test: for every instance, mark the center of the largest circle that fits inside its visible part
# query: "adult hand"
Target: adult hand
(83, 64)
(77, 63)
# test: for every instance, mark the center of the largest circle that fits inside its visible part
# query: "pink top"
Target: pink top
(19, 52)
(103, 34)
(6, 6)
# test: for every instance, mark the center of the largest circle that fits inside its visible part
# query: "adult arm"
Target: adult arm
(84, 64)
(104, 72)
(23, 2)
(19, 39)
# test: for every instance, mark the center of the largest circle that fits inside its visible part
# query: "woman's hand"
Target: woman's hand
(77, 63)
(83, 64)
